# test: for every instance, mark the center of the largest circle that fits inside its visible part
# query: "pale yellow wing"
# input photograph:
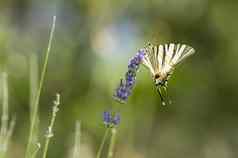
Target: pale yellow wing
(163, 58)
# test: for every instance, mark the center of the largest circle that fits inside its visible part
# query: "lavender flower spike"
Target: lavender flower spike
(125, 88)
(110, 119)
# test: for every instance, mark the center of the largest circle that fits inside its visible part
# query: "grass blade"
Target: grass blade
(30, 144)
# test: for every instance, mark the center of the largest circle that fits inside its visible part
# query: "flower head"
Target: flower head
(110, 119)
(124, 89)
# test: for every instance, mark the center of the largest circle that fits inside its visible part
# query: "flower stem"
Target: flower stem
(37, 97)
(112, 143)
(76, 152)
(102, 143)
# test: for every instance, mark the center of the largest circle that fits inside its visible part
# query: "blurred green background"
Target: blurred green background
(92, 45)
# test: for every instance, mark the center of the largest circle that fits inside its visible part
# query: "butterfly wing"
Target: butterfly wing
(173, 54)
(180, 53)
(157, 58)
(163, 58)
(149, 59)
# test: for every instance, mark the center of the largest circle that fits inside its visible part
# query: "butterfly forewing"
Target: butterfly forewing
(162, 59)
(181, 53)
(186, 53)
(170, 51)
(148, 60)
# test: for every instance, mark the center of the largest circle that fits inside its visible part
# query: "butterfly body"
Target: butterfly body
(162, 59)
(160, 79)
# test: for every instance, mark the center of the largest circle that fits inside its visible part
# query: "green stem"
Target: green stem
(77, 138)
(36, 101)
(4, 119)
(112, 143)
(102, 143)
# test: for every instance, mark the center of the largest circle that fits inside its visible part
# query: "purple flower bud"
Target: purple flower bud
(132, 65)
(106, 118)
(116, 119)
(130, 80)
(125, 94)
(121, 93)
(141, 54)
(131, 73)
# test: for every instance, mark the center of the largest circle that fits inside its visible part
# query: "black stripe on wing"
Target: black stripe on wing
(163, 58)
(176, 49)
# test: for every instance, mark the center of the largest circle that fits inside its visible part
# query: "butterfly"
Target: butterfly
(161, 61)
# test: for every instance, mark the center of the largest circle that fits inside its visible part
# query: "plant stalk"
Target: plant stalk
(112, 143)
(36, 100)
(102, 143)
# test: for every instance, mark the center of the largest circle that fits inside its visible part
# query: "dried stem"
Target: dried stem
(49, 133)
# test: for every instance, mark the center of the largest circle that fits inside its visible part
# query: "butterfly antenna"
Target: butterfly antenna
(161, 97)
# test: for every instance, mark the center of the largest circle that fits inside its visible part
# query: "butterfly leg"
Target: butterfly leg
(167, 94)
(161, 97)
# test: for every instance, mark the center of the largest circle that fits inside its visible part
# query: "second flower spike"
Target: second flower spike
(110, 119)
